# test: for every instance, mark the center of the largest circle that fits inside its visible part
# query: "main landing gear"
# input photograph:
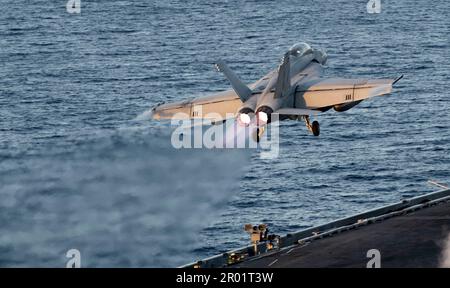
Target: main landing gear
(314, 127)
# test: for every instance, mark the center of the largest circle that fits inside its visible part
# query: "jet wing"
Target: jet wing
(216, 107)
(320, 92)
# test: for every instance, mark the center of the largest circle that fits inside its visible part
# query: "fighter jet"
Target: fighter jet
(295, 90)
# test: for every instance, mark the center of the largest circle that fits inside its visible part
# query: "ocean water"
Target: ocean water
(82, 165)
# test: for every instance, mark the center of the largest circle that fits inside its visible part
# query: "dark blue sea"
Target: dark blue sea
(83, 166)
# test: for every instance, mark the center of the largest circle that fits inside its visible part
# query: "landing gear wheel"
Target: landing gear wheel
(315, 127)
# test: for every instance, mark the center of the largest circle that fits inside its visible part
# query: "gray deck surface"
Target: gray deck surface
(412, 240)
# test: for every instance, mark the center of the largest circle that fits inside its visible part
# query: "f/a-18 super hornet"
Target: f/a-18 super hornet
(295, 90)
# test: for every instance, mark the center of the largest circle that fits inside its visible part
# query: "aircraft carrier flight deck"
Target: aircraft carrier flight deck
(411, 233)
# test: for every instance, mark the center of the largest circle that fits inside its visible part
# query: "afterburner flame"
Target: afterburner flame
(262, 117)
(244, 119)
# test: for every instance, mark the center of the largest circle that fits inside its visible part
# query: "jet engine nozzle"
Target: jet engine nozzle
(263, 115)
(244, 116)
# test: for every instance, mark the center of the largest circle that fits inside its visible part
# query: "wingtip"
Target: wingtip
(398, 79)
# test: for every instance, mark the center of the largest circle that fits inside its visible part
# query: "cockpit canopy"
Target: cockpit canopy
(300, 49)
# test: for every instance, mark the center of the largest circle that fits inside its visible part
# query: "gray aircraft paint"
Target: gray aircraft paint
(302, 93)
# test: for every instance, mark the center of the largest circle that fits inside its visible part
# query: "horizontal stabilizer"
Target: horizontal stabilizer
(239, 87)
